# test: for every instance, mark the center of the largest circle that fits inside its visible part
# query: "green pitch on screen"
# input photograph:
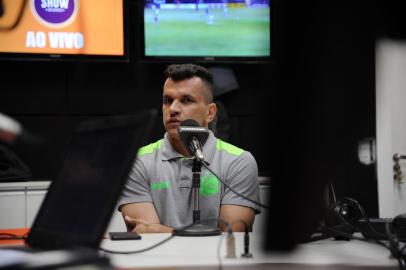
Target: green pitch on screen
(235, 32)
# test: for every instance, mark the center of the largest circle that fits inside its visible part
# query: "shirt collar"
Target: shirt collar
(168, 152)
(209, 148)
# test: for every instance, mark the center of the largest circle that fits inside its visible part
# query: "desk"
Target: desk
(20, 201)
(201, 253)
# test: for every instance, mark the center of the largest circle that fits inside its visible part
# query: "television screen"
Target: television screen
(207, 29)
(63, 29)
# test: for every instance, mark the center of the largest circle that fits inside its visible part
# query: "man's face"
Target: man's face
(186, 99)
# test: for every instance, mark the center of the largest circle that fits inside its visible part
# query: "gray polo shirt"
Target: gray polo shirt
(163, 177)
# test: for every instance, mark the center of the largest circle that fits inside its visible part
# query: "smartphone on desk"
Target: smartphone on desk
(124, 236)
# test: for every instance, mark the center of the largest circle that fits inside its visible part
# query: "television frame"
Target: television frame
(16, 56)
(202, 59)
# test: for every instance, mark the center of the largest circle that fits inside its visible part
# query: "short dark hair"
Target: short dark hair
(179, 72)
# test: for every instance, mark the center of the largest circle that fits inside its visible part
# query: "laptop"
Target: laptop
(80, 202)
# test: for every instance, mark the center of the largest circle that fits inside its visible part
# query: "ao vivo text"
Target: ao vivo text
(56, 40)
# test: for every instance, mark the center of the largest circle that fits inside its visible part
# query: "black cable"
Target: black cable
(159, 243)
(373, 229)
(333, 193)
(10, 236)
(144, 249)
(403, 249)
(345, 234)
(403, 256)
(350, 236)
(236, 192)
(139, 250)
(394, 246)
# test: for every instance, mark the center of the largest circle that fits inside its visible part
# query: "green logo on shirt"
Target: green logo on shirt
(160, 185)
(209, 185)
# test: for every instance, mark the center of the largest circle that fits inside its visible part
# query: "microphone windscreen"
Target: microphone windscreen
(190, 129)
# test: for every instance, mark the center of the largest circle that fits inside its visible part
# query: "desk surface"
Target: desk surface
(202, 253)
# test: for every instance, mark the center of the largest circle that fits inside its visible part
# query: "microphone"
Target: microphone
(193, 137)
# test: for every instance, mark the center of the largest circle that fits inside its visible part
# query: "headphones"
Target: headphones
(348, 211)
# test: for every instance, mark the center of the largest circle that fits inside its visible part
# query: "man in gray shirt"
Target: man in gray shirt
(157, 196)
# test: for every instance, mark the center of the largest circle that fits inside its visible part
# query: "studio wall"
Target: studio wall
(315, 99)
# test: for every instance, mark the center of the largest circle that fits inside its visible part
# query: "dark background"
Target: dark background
(301, 113)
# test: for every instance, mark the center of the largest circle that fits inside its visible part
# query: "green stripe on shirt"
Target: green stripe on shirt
(150, 148)
(229, 148)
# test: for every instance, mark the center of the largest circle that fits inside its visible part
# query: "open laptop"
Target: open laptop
(79, 203)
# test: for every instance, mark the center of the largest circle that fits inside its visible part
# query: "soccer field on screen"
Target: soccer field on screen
(219, 32)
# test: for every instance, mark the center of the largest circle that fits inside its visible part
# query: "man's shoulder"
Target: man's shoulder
(228, 148)
(149, 149)
(232, 153)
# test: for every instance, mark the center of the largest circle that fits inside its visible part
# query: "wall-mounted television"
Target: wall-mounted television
(64, 29)
(207, 30)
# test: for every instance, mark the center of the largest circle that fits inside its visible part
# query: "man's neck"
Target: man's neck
(178, 145)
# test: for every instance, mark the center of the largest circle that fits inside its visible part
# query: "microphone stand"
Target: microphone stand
(197, 228)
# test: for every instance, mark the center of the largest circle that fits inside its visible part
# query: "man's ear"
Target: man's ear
(211, 112)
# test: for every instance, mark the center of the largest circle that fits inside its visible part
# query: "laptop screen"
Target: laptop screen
(80, 202)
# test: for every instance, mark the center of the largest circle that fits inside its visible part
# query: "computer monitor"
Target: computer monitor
(81, 200)
(206, 30)
(298, 201)
(301, 160)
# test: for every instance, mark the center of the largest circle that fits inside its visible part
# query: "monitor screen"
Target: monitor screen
(207, 29)
(80, 201)
(63, 29)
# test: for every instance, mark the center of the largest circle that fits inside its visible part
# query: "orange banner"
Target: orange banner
(92, 27)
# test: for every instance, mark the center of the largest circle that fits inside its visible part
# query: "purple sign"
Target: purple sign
(55, 11)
